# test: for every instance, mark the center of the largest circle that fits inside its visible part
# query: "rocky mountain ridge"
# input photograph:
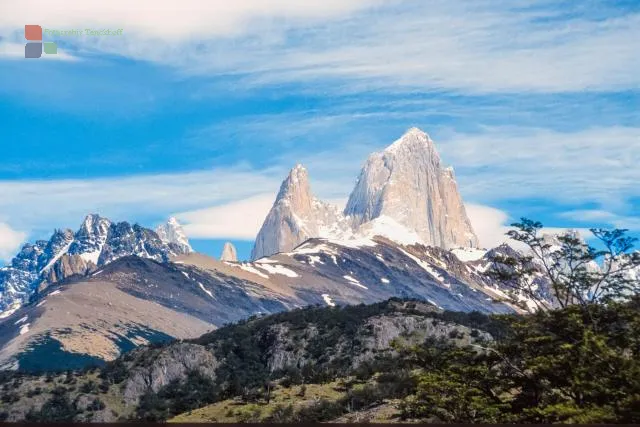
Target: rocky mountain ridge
(97, 242)
(193, 291)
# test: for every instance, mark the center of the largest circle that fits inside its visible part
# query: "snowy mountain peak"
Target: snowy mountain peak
(413, 139)
(97, 242)
(296, 184)
(449, 172)
(90, 238)
(172, 232)
(402, 193)
(407, 183)
(298, 168)
(94, 223)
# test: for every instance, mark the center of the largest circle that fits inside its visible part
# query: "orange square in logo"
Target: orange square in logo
(33, 32)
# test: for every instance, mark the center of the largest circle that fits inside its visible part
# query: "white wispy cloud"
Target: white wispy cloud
(172, 21)
(604, 217)
(59, 203)
(491, 225)
(10, 241)
(484, 46)
(240, 219)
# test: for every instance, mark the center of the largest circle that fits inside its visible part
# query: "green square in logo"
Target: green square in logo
(50, 48)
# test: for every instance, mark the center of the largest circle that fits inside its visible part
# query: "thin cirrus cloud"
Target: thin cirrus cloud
(484, 46)
(603, 217)
(591, 165)
(170, 21)
(596, 164)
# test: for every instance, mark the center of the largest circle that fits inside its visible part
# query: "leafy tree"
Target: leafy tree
(578, 274)
(574, 360)
(177, 397)
(456, 385)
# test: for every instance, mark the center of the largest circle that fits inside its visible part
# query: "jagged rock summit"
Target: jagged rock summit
(403, 193)
(172, 232)
(295, 217)
(229, 253)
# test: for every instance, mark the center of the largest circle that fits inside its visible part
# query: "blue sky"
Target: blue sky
(199, 109)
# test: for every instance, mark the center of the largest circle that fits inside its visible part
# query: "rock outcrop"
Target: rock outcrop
(170, 364)
(229, 253)
(67, 266)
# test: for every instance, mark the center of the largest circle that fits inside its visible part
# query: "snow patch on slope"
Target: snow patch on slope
(63, 251)
(425, 266)
(22, 320)
(354, 281)
(468, 254)
(328, 300)
(278, 269)
(205, 289)
(250, 269)
(91, 256)
(388, 227)
(8, 312)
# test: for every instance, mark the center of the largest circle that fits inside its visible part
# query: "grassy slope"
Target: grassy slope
(233, 410)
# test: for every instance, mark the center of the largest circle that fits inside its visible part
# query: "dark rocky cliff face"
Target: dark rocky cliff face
(157, 369)
(67, 266)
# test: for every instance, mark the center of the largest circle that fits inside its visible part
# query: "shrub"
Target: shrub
(281, 414)
(89, 387)
(96, 405)
(57, 409)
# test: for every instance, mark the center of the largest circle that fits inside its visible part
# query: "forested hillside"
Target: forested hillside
(397, 360)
